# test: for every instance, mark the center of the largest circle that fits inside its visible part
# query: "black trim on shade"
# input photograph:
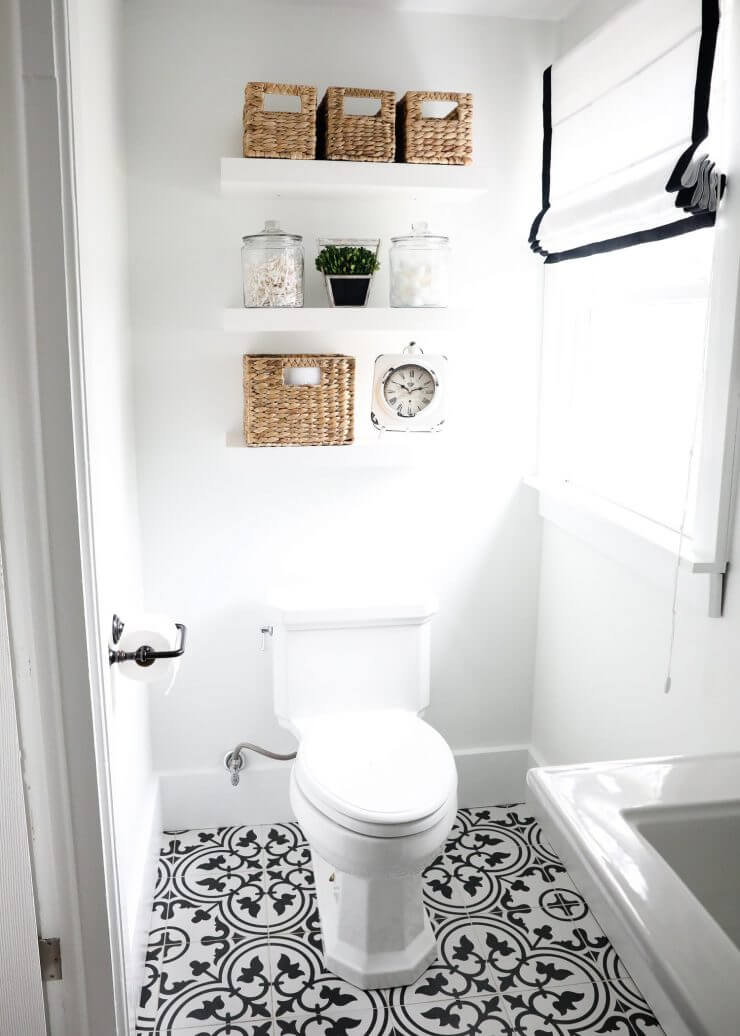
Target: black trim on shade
(546, 158)
(640, 237)
(700, 130)
(702, 93)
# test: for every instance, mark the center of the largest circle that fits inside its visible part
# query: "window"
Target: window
(640, 391)
(623, 359)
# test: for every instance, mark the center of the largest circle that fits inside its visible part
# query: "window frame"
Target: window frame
(623, 534)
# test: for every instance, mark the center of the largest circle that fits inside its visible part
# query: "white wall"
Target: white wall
(584, 19)
(602, 653)
(223, 527)
(604, 628)
(95, 39)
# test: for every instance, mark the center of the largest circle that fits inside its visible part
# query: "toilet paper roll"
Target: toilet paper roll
(161, 634)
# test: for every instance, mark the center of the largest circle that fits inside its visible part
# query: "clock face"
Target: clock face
(409, 389)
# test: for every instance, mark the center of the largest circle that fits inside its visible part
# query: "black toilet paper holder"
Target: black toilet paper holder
(144, 655)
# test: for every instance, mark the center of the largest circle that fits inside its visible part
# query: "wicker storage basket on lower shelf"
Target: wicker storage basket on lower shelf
(276, 414)
(444, 141)
(279, 134)
(356, 138)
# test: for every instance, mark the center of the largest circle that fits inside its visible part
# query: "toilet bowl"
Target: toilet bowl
(375, 794)
(374, 787)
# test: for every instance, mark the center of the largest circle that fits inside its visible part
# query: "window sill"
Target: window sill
(630, 539)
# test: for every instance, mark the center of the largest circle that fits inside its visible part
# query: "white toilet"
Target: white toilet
(373, 786)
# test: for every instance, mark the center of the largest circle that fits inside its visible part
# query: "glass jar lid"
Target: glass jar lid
(421, 238)
(272, 236)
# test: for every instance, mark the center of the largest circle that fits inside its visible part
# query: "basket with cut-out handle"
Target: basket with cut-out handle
(279, 134)
(299, 400)
(425, 139)
(356, 138)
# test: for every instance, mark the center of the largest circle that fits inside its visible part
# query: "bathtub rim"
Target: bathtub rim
(582, 809)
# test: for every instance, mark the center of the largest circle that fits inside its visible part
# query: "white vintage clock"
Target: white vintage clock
(409, 391)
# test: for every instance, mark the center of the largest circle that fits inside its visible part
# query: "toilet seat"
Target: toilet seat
(384, 772)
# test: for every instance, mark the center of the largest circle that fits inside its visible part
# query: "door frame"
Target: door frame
(57, 646)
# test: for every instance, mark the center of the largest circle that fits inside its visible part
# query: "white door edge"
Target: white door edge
(54, 640)
(96, 639)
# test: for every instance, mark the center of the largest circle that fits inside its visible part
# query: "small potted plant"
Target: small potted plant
(348, 267)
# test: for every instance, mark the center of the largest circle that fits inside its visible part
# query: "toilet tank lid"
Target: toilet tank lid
(301, 613)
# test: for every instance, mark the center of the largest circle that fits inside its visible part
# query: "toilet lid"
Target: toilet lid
(383, 767)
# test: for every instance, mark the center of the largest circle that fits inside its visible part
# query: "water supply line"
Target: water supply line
(236, 759)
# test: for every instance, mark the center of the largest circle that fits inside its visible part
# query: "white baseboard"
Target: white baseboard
(492, 776)
(205, 798)
(538, 758)
(140, 901)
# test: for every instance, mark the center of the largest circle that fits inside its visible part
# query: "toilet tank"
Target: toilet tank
(349, 658)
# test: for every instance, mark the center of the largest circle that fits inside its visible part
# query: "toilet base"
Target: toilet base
(374, 925)
(381, 937)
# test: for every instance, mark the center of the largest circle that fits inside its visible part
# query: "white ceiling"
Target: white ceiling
(547, 10)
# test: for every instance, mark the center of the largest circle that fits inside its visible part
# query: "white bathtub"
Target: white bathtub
(655, 846)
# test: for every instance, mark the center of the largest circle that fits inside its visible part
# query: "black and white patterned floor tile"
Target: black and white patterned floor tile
(235, 945)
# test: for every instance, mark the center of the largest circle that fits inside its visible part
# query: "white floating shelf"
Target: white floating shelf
(324, 319)
(368, 181)
(387, 451)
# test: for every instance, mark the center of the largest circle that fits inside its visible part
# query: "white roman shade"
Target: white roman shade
(626, 121)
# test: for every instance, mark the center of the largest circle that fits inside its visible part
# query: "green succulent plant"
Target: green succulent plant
(346, 260)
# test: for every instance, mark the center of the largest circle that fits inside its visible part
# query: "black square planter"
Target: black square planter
(347, 289)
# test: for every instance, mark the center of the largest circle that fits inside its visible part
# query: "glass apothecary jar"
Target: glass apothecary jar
(420, 269)
(272, 268)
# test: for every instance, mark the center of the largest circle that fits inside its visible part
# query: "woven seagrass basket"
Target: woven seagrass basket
(279, 134)
(280, 414)
(445, 141)
(356, 138)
